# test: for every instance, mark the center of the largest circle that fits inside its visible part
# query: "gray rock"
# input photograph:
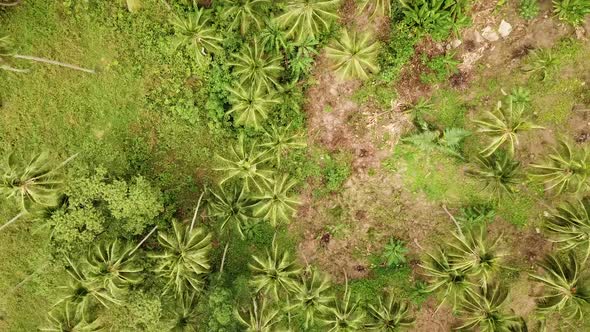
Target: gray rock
(489, 34)
(456, 43)
(505, 29)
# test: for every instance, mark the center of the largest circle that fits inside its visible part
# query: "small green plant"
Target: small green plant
(529, 9)
(476, 215)
(442, 67)
(503, 126)
(449, 141)
(520, 96)
(567, 169)
(394, 253)
(573, 12)
(500, 172)
(541, 62)
(417, 111)
(435, 17)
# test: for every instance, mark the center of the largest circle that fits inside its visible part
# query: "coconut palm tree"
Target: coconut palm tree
(376, 7)
(566, 286)
(274, 203)
(245, 165)
(501, 173)
(345, 315)
(311, 297)
(473, 253)
(245, 14)
(185, 259)
(443, 275)
(67, 318)
(483, 309)
(569, 225)
(186, 315)
(308, 18)
(256, 69)
(114, 263)
(85, 291)
(195, 33)
(233, 207)
(389, 315)
(259, 317)
(31, 184)
(273, 38)
(354, 55)
(276, 273)
(567, 169)
(251, 106)
(279, 140)
(503, 126)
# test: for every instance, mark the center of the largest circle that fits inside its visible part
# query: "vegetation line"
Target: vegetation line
(196, 211)
(53, 62)
(223, 260)
(12, 220)
(453, 219)
(143, 240)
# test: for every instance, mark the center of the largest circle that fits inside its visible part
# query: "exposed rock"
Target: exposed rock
(477, 38)
(505, 29)
(489, 34)
(456, 43)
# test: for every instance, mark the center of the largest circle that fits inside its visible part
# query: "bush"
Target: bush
(529, 9)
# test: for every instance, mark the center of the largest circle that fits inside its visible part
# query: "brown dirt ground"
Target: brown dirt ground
(373, 208)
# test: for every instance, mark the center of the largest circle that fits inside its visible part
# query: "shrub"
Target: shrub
(529, 9)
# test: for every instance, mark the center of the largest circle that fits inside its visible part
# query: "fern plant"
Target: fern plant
(503, 126)
(573, 12)
(501, 173)
(354, 55)
(567, 169)
(450, 141)
(251, 106)
(196, 33)
(308, 18)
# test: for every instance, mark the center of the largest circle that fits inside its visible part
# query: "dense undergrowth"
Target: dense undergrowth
(187, 149)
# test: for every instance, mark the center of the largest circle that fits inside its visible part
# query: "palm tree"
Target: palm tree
(185, 259)
(275, 204)
(566, 286)
(569, 225)
(354, 55)
(245, 13)
(311, 296)
(196, 33)
(251, 106)
(233, 207)
(245, 165)
(186, 315)
(273, 37)
(256, 69)
(376, 7)
(473, 253)
(7, 53)
(483, 309)
(275, 274)
(504, 125)
(279, 140)
(115, 264)
(345, 315)
(389, 315)
(567, 169)
(259, 317)
(443, 275)
(85, 291)
(500, 172)
(31, 184)
(68, 318)
(308, 18)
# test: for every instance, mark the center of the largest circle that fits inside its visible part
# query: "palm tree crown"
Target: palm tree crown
(196, 33)
(245, 13)
(308, 18)
(275, 204)
(256, 69)
(354, 55)
(251, 106)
